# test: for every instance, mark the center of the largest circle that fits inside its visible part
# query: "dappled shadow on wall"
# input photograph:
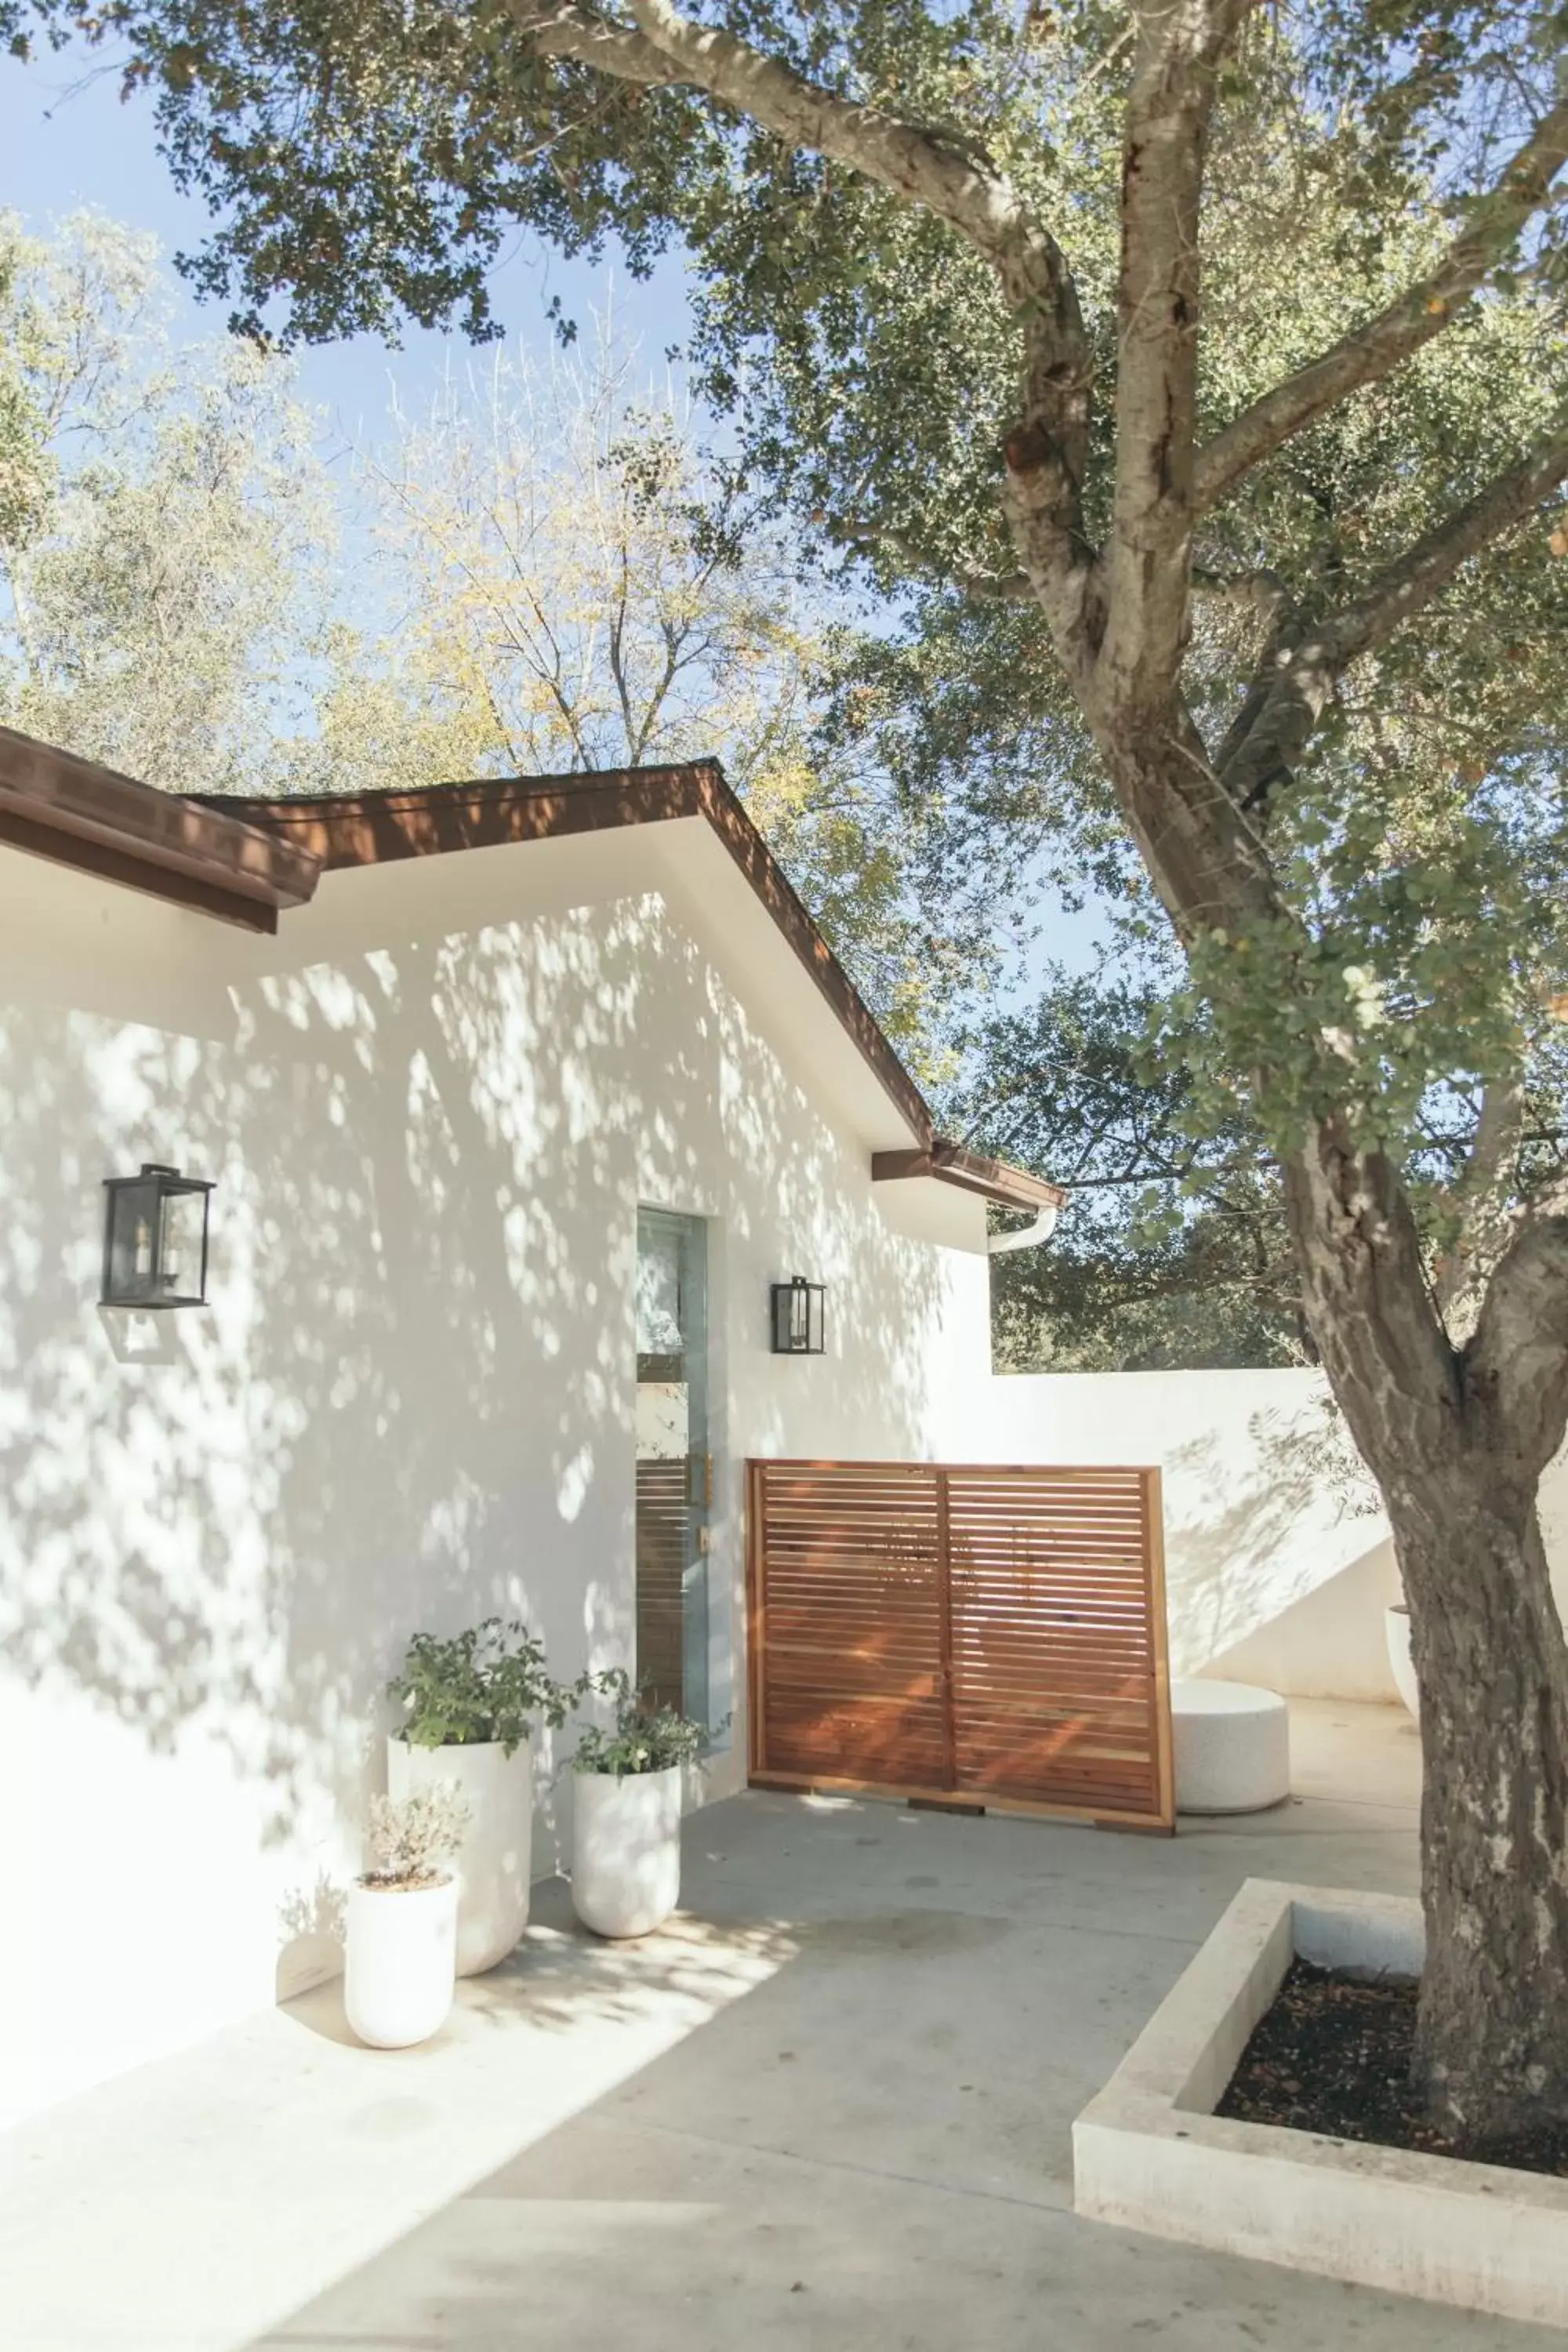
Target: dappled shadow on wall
(1251, 1530)
(413, 1388)
(231, 1536)
(792, 1196)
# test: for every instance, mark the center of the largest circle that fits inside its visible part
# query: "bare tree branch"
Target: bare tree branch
(1369, 352)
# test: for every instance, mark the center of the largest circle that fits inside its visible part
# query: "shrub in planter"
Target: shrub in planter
(470, 1703)
(402, 1919)
(625, 1827)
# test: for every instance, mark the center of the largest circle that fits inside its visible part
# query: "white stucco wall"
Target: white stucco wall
(1276, 1571)
(431, 1106)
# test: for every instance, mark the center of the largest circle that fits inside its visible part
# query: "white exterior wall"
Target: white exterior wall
(433, 1105)
(1276, 1571)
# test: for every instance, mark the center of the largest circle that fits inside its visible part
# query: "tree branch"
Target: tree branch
(1369, 352)
(1178, 45)
(586, 37)
(1295, 679)
(1419, 575)
(1263, 593)
(1516, 1365)
(1364, 1285)
(956, 183)
(1482, 1194)
(981, 587)
(1048, 453)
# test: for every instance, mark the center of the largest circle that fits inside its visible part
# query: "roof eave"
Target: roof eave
(952, 1163)
(74, 812)
(246, 861)
(381, 828)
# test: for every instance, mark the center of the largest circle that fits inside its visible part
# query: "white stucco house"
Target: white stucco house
(516, 1099)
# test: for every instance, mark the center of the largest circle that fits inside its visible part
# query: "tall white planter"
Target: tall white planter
(494, 1860)
(625, 1849)
(1397, 1625)
(402, 1948)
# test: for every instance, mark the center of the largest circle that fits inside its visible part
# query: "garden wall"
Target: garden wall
(1279, 1564)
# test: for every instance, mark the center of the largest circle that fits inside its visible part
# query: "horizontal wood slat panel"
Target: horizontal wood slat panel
(930, 1630)
(661, 1537)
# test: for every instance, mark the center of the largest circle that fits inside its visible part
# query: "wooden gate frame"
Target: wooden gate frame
(1160, 1823)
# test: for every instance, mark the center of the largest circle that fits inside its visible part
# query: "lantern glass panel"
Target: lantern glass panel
(183, 1228)
(133, 1241)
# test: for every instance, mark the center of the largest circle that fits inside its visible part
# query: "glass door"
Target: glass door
(674, 1467)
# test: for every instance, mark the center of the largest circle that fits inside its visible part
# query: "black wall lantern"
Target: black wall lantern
(155, 1239)
(800, 1318)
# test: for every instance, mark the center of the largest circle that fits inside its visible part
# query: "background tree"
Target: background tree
(1175, 1252)
(547, 572)
(574, 579)
(166, 526)
(1060, 306)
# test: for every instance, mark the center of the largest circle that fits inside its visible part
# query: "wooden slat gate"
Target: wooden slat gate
(977, 1634)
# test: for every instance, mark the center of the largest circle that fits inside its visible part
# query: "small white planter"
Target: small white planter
(1396, 1626)
(402, 1948)
(495, 1859)
(625, 1849)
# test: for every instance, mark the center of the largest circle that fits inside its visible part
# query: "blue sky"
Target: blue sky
(70, 140)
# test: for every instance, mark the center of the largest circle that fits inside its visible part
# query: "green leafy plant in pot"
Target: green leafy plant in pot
(470, 1703)
(625, 1821)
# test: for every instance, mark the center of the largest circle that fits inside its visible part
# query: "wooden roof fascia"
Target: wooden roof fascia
(77, 813)
(972, 1172)
(244, 861)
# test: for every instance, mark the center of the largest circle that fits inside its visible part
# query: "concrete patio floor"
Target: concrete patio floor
(828, 2108)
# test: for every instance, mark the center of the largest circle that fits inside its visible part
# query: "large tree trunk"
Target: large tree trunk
(1492, 2039)
(1457, 1453)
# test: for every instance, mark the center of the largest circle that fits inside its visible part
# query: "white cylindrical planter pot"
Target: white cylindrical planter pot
(625, 1849)
(1396, 1624)
(402, 1947)
(495, 1858)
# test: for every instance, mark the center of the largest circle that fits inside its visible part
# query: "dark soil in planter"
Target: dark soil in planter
(1332, 2056)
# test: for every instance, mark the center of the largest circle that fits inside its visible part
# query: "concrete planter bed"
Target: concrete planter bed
(1150, 2153)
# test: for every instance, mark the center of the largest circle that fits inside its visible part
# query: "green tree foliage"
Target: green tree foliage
(164, 582)
(1173, 1250)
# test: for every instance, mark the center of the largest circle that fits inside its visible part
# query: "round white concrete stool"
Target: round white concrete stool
(1232, 1747)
